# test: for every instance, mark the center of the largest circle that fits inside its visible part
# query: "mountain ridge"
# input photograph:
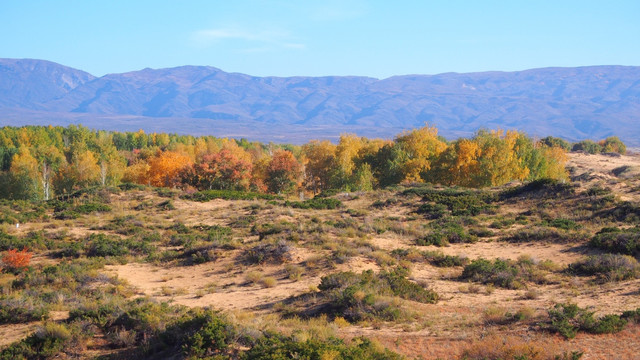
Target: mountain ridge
(574, 103)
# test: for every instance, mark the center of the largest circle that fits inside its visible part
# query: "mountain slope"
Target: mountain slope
(575, 103)
(28, 83)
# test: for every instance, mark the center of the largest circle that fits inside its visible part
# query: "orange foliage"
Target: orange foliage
(165, 168)
(283, 171)
(14, 260)
(223, 170)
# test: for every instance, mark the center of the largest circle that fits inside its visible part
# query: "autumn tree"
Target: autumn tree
(499, 162)
(415, 150)
(613, 144)
(458, 165)
(165, 169)
(320, 157)
(283, 172)
(83, 171)
(222, 170)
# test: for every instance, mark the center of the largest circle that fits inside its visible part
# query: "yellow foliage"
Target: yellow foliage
(346, 151)
(319, 157)
(420, 147)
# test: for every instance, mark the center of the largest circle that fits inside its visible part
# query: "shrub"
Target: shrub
(632, 315)
(500, 272)
(315, 203)
(542, 234)
(362, 296)
(447, 230)
(100, 245)
(14, 260)
(567, 319)
(459, 202)
(33, 240)
(626, 211)
(208, 195)
(48, 341)
(166, 205)
(542, 188)
(435, 258)
(588, 146)
(273, 346)
(14, 310)
(213, 337)
(564, 224)
(607, 267)
(504, 273)
(618, 241)
(277, 252)
(432, 211)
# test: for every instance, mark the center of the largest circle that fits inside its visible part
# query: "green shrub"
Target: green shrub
(435, 258)
(543, 234)
(459, 202)
(91, 208)
(542, 188)
(567, 319)
(101, 245)
(315, 203)
(447, 230)
(131, 186)
(361, 296)
(432, 211)
(564, 224)
(626, 211)
(632, 316)
(15, 309)
(616, 240)
(166, 205)
(588, 146)
(33, 240)
(273, 346)
(264, 230)
(504, 273)
(213, 337)
(607, 267)
(208, 195)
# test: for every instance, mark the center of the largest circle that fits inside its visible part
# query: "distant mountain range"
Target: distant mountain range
(573, 103)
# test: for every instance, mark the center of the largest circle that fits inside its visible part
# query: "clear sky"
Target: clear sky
(306, 37)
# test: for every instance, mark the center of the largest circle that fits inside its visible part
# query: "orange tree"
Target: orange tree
(222, 170)
(283, 172)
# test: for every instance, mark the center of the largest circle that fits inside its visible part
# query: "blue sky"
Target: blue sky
(359, 37)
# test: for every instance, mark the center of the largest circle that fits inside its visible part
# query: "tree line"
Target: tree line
(38, 162)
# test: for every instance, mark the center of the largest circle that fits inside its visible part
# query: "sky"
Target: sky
(320, 38)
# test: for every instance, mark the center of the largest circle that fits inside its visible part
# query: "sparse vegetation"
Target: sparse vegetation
(302, 277)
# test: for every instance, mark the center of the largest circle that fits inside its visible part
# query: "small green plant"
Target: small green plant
(567, 319)
(607, 267)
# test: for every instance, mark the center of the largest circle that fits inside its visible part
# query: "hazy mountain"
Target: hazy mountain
(575, 103)
(29, 83)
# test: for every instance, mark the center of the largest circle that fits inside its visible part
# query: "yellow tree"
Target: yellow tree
(556, 159)
(415, 150)
(320, 157)
(24, 168)
(458, 164)
(499, 162)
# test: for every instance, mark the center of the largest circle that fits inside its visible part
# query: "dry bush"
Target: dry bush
(268, 281)
(511, 348)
